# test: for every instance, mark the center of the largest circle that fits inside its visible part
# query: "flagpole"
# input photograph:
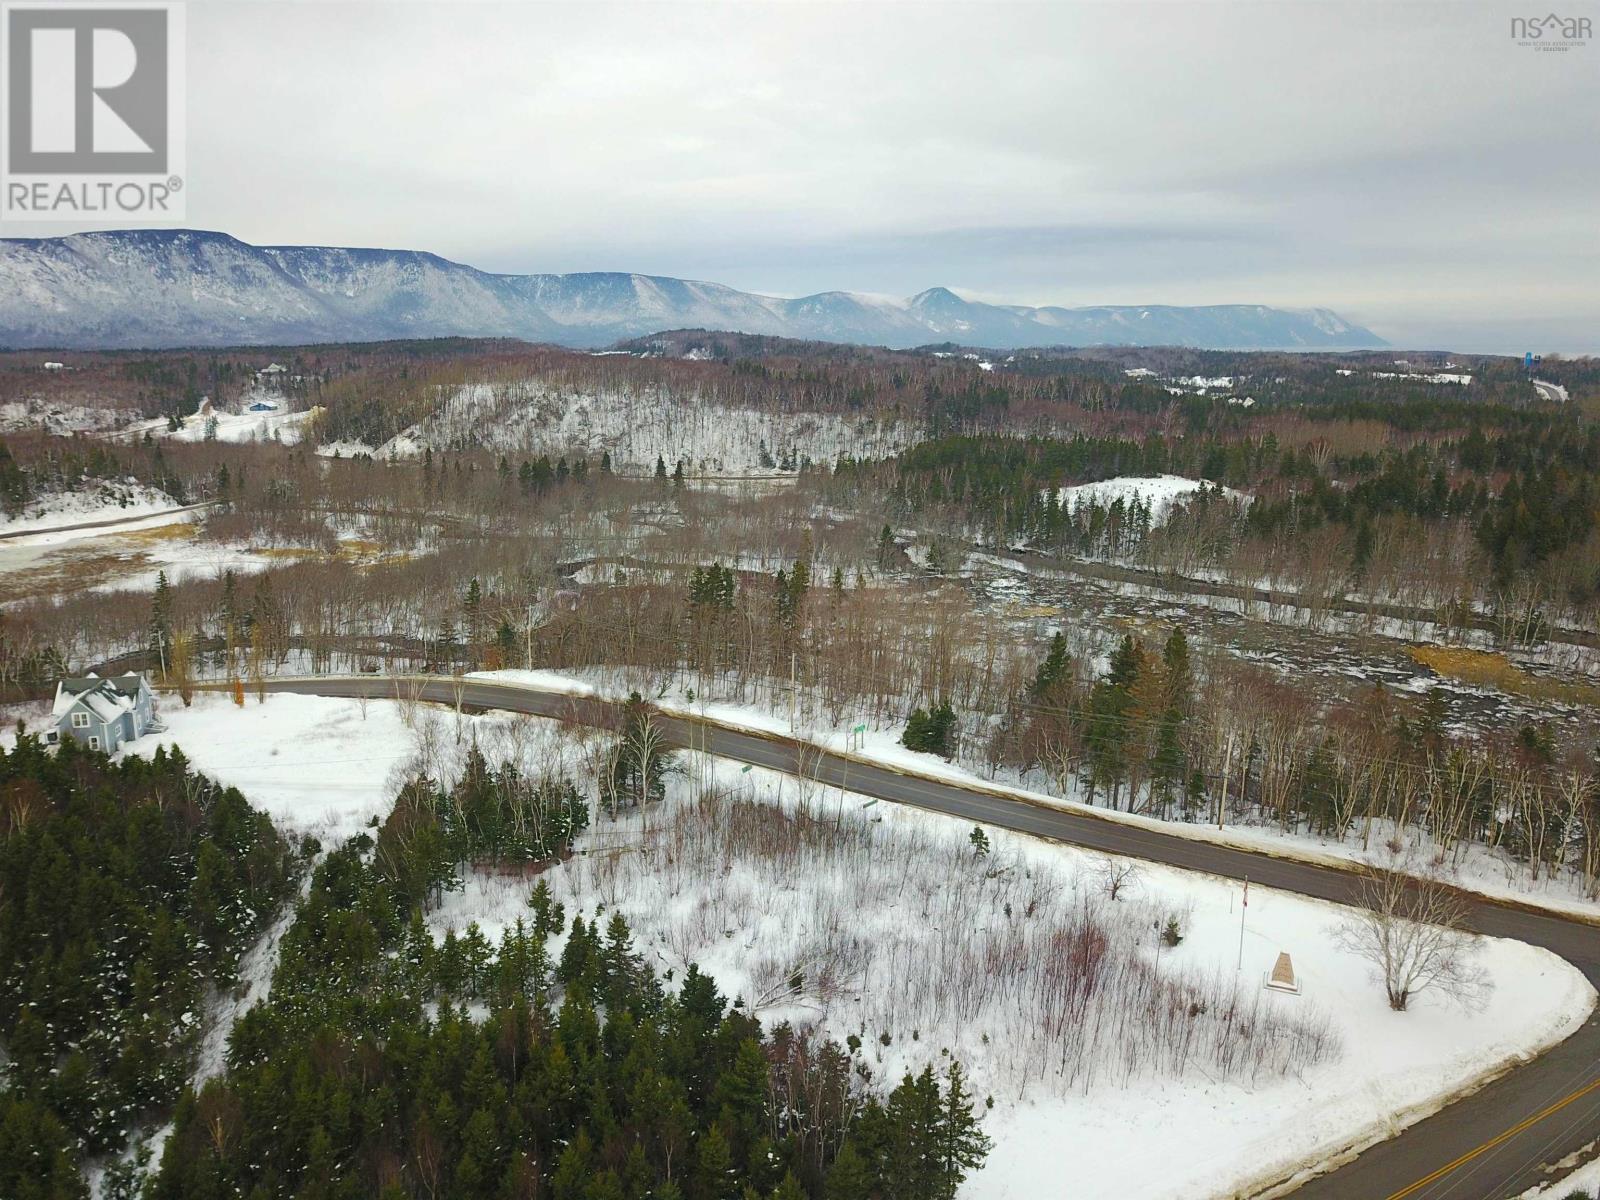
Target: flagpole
(1242, 907)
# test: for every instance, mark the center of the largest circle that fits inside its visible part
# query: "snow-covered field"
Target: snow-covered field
(128, 556)
(1188, 1125)
(125, 558)
(1158, 492)
(316, 766)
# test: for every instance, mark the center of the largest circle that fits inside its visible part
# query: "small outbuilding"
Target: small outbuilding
(101, 712)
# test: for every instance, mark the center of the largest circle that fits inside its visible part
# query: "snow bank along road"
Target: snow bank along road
(1487, 1146)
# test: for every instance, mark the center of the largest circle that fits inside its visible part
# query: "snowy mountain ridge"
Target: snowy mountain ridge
(154, 288)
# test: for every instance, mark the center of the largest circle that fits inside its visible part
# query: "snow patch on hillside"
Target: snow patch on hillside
(1425, 377)
(635, 426)
(1160, 493)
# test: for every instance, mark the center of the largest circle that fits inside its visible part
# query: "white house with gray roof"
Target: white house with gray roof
(103, 713)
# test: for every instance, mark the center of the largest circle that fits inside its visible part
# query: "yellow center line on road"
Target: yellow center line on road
(1497, 1140)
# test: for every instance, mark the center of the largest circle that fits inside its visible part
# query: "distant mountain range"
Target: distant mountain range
(162, 288)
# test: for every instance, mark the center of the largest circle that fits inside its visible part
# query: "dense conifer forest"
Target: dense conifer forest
(130, 890)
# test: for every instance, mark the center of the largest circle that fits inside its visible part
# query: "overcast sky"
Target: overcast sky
(1406, 164)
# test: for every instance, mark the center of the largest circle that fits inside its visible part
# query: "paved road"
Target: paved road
(1483, 1147)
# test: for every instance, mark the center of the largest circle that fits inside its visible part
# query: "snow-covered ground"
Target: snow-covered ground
(317, 766)
(892, 953)
(1429, 377)
(108, 501)
(128, 556)
(330, 767)
(124, 558)
(1158, 492)
(51, 416)
(1584, 1182)
(279, 423)
(1127, 1132)
(635, 425)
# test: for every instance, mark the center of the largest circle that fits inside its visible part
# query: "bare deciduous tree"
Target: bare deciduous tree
(1118, 875)
(1412, 931)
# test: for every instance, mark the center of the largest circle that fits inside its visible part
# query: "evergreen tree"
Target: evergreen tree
(932, 731)
(1109, 732)
(851, 1177)
(1052, 670)
(161, 622)
(505, 641)
(961, 1143)
(888, 549)
(713, 1168)
(472, 616)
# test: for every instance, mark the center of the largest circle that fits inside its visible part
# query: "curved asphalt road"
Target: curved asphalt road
(1488, 1146)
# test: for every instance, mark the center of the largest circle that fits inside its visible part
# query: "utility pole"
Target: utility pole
(794, 694)
(529, 628)
(1227, 769)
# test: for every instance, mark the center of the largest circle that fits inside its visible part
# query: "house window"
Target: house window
(80, 720)
(94, 742)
